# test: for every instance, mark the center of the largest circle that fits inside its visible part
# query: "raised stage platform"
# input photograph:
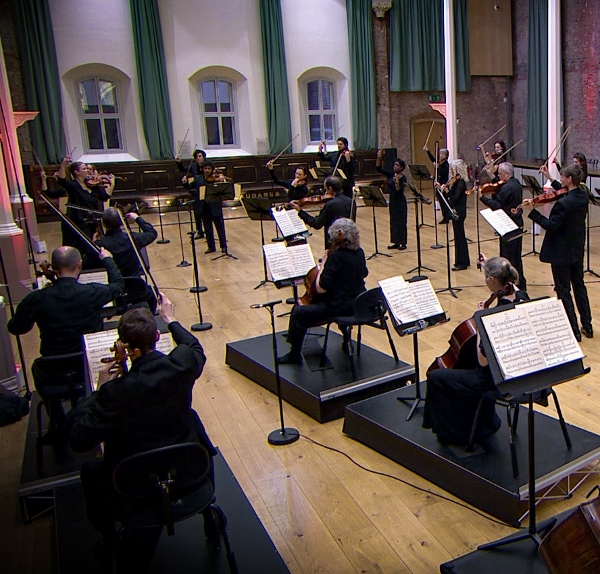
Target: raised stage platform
(321, 394)
(483, 478)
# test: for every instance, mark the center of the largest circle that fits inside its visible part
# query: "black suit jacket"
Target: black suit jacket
(148, 407)
(509, 195)
(339, 206)
(565, 228)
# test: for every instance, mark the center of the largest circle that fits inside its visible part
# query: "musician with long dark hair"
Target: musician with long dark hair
(340, 278)
(396, 181)
(344, 160)
(453, 394)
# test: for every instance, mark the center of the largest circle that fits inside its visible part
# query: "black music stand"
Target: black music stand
(418, 197)
(534, 186)
(413, 328)
(373, 198)
(179, 202)
(220, 191)
(420, 173)
(587, 235)
(453, 215)
(162, 240)
(526, 384)
(259, 209)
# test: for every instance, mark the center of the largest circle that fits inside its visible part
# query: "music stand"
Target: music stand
(259, 209)
(453, 215)
(420, 173)
(373, 198)
(420, 198)
(528, 384)
(587, 233)
(179, 201)
(162, 240)
(534, 186)
(220, 191)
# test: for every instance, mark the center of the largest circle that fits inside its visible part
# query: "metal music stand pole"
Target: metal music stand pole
(418, 197)
(372, 196)
(183, 263)
(282, 435)
(162, 240)
(197, 288)
(587, 241)
(259, 208)
(449, 288)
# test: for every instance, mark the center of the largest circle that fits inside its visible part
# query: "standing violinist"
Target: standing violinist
(491, 167)
(396, 181)
(212, 211)
(563, 247)
(344, 160)
(442, 170)
(453, 394)
(339, 206)
(340, 279)
(508, 196)
(297, 188)
(190, 182)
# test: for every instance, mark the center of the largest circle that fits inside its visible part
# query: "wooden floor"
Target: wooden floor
(324, 513)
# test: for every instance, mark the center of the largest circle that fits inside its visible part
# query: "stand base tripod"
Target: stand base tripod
(183, 263)
(163, 241)
(226, 254)
(205, 326)
(281, 437)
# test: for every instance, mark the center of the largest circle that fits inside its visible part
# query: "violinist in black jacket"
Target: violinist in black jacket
(297, 188)
(563, 247)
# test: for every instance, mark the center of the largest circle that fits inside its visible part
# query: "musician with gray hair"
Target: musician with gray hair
(339, 280)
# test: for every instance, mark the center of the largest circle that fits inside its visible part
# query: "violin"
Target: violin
(310, 280)
(546, 197)
(121, 353)
(316, 199)
(462, 351)
(487, 188)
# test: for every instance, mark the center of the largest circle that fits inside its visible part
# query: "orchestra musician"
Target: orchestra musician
(191, 184)
(491, 167)
(340, 279)
(64, 311)
(344, 160)
(148, 407)
(212, 211)
(455, 192)
(339, 206)
(396, 181)
(83, 192)
(297, 188)
(453, 393)
(563, 246)
(509, 195)
(443, 174)
(118, 243)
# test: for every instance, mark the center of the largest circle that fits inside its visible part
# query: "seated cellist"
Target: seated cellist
(453, 393)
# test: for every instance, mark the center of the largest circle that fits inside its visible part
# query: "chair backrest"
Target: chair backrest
(367, 305)
(60, 371)
(135, 289)
(183, 465)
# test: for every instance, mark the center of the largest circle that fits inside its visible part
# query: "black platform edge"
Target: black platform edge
(186, 551)
(322, 395)
(60, 467)
(483, 480)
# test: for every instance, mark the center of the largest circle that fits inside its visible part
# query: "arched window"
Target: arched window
(321, 110)
(218, 111)
(100, 114)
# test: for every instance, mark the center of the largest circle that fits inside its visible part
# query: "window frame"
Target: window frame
(232, 114)
(102, 116)
(320, 112)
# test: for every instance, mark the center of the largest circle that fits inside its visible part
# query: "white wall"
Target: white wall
(97, 32)
(316, 36)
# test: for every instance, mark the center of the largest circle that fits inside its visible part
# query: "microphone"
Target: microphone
(418, 326)
(269, 304)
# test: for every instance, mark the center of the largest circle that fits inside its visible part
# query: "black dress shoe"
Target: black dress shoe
(393, 246)
(587, 332)
(210, 250)
(443, 221)
(290, 359)
(578, 337)
(402, 247)
(459, 267)
(199, 235)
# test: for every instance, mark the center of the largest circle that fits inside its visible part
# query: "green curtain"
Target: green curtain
(537, 80)
(40, 78)
(362, 74)
(152, 78)
(417, 46)
(276, 87)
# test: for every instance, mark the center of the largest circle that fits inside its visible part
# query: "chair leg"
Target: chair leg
(512, 417)
(221, 520)
(383, 321)
(561, 420)
(324, 350)
(350, 346)
(474, 426)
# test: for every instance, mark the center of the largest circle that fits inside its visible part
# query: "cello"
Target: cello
(462, 352)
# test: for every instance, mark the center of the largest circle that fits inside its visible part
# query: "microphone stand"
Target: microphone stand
(197, 288)
(183, 263)
(281, 436)
(162, 239)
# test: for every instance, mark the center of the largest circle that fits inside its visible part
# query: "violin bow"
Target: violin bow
(495, 133)
(559, 145)
(428, 135)
(183, 141)
(74, 227)
(283, 150)
(509, 149)
(137, 252)
(187, 173)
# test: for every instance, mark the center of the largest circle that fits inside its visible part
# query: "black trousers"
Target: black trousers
(216, 220)
(512, 250)
(461, 249)
(564, 276)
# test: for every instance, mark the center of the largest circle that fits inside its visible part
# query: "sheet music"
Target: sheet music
(288, 262)
(410, 302)
(531, 337)
(288, 221)
(97, 346)
(499, 220)
(100, 276)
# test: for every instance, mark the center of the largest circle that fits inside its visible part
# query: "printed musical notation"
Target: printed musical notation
(288, 262)
(531, 337)
(410, 301)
